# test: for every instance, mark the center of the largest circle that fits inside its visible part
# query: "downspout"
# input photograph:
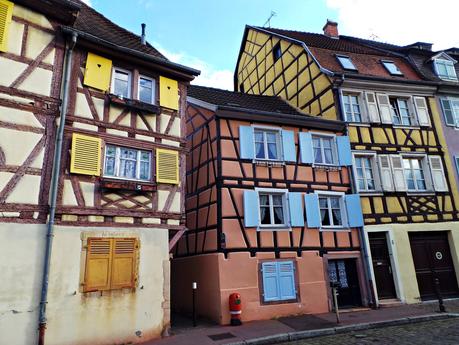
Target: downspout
(54, 189)
(363, 244)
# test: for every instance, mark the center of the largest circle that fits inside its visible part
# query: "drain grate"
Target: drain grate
(221, 336)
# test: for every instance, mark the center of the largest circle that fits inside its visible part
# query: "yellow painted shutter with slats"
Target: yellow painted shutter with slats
(167, 166)
(124, 263)
(86, 155)
(98, 72)
(98, 264)
(168, 93)
(6, 12)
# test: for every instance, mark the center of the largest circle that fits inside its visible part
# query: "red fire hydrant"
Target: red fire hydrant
(235, 307)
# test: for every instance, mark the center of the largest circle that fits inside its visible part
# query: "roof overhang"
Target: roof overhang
(64, 11)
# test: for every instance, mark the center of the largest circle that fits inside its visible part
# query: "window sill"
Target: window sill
(326, 167)
(285, 301)
(141, 186)
(269, 163)
(359, 124)
(135, 104)
(407, 127)
(371, 193)
(274, 228)
(337, 228)
(425, 192)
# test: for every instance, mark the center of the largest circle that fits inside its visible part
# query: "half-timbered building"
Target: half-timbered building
(401, 166)
(269, 209)
(118, 105)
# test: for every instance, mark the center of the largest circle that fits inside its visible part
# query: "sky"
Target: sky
(207, 34)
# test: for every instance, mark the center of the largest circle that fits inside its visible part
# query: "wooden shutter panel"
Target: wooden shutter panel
(343, 145)
(295, 203)
(98, 265)
(286, 278)
(167, 166)
(450, 119)
(354, 210)
(384, 108)
(6, 12)
(251, 209)
(313, 218)
(97, 72)
(306, 150)
(398, 173)
(386, 173)
(246, 142)
(343, 107)
(124, 260)
(422, 111)
(288, 146)
(168, 93)
(438, 174)
(372, 107)
(85, 155)
(270, 282)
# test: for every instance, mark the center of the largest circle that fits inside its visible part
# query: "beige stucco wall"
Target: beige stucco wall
(73, 317)
(401, 246)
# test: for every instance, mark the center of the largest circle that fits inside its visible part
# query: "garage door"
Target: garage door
(432, 259)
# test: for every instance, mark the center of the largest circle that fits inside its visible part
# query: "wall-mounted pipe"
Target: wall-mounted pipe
(54, 189)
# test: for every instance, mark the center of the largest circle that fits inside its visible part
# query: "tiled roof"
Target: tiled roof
(232, 99)
(92, 22)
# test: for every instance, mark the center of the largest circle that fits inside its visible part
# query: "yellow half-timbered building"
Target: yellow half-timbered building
(402, 168)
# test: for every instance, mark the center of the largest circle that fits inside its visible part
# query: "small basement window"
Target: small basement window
(391, 67)
(346, 62)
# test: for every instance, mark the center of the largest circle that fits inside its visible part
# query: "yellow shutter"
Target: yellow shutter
(168, 93)
(124, 263)
(6, 12)
(86, 155)
(98, 264)
(167, 166)
(98, 72)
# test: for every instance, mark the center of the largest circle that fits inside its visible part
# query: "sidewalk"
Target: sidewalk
(303, 326)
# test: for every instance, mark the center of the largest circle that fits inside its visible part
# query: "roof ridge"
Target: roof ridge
(239, 92)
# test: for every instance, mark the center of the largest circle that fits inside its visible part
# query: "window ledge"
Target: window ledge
(268, 163)
(327, 167)
(429, 192)
(359, 124)
(135, 104)
(274, 228)
(339, 229)
(371, 193)
(140, 186)
(407, 127)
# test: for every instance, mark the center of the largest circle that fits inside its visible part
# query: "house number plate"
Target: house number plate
(439, 255)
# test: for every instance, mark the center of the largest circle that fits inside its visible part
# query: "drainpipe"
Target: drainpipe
(53, 190)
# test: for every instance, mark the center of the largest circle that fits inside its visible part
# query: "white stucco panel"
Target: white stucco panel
(82, 107)
(31, 16)
(68, 195)
(16, 152)
(37, 40)
(39, 81)
(15, 38)
(87, 189)
(26, 191)
(18, 117)
(10, 70)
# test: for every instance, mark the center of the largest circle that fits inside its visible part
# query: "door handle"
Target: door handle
(390, 269)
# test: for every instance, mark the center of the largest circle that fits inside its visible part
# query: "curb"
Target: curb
(291, 336)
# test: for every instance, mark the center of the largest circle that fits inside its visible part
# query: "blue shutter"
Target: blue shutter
(448, 112)
(288, 146)
(311, 202)
(270, 282)
(246, 142)
(354, 210)
(306, 151)
(344, 150)
(295, 205)
(286, 273)
(251, 209)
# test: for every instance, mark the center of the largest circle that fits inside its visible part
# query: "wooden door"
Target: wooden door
(344, 271)
(432, 259)
(382, 265)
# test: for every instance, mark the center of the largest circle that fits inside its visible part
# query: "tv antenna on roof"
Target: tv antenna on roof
(268, 22)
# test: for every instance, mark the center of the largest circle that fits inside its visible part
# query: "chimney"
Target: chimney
(331, 29)
(143, 38)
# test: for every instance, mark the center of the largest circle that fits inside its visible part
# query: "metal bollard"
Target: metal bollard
(441, 306)
(334, 287)
(194, 287)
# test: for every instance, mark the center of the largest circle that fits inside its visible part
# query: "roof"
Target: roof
(366, 58)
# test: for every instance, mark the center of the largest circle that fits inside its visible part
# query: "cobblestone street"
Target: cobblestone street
(444, 332)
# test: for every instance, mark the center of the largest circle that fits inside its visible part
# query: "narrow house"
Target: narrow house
(401, 167)
(120, 187)
(269, 209)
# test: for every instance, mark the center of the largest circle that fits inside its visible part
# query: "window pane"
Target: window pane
(328, 156)
(265, 215)
(144, 171)
(109, 166)
(346, 62)
(336, 213)
(121, 87)
(259, 150)
(111, 150)
(327, 143)
(325, 217)
(278, 215)
(264, 200)
(145, 156)
(271, 137)
(317, 155)
(127, 168)
(272, 151)
(259, 136)
(334, 202)
(126, 153)
(146, 90)
(277, 200)
(323, 202)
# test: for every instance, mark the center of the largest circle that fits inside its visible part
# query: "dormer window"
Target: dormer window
(391, 67)
(445, 69)
(346, 62)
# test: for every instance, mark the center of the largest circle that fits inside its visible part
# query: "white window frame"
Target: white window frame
(341, 56)
(129, 73)
(334, 149)
(411, 117)
(374, 168)
(285, 208)
(360, 103)
(153, 90)
(447, 63)
(342, 206)
(455, 114)
(117, 164)
(387, 63)
(425, 167)
(265, 129)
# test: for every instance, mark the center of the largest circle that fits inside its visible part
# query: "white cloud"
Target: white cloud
(400, 21)
(210, 76)
(87, 2)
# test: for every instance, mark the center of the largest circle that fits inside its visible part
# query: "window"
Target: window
(111, 263)
(146, 90)
(391, 67)
(450, 108)
(279, 283)
(365, 173)
(272, 209)
(456, 159)
(346, 62)
(400, 111)
(277, 52)
(445, 69)
(414, 174)
(331, 210)
(121, 83)
(352, 108)
(267, 144)
(122, 162)
(323, 148)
